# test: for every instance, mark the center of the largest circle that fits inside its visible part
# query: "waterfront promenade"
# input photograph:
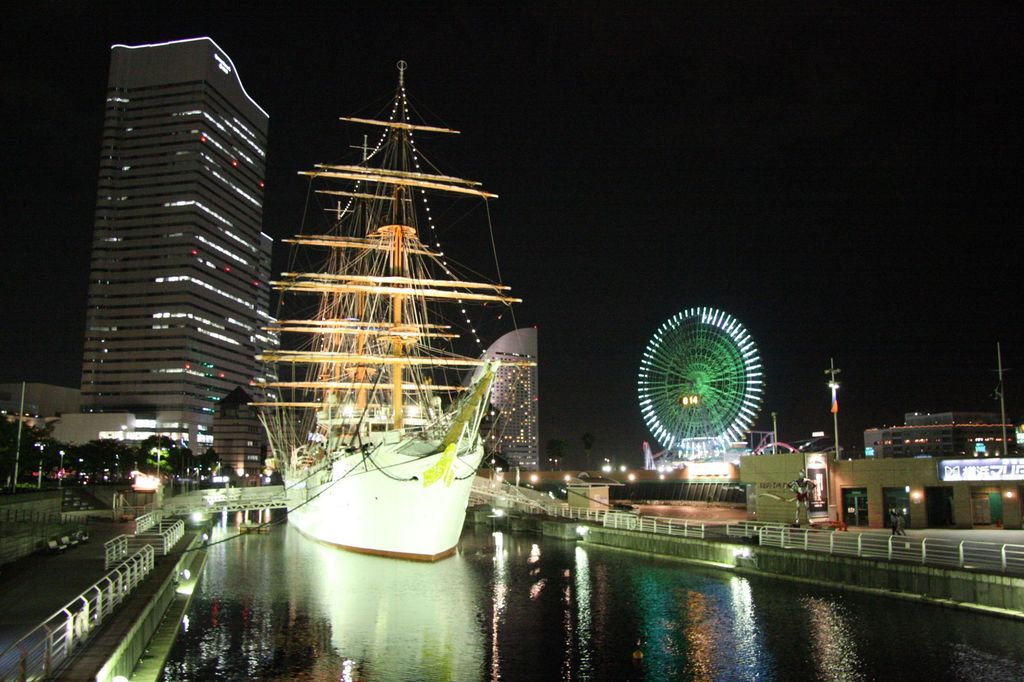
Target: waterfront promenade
(38, 586)
(33, 588)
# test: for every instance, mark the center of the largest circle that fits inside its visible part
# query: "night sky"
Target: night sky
(843, 178)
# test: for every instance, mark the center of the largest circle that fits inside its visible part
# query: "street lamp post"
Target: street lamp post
(39, 472)
(1002, 400)
(60, 474)
(775, 433)
(832, 371)
(17, 447)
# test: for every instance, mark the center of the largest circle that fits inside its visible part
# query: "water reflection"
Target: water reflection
(519, 607)
(834, 647)
(283, 607)
(746, 639)
(584, 621)
(368, 599)
(499, 593)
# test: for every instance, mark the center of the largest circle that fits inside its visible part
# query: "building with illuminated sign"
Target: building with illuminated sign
(513, 429)
(178, 286)
(929, 492)
(944, 434)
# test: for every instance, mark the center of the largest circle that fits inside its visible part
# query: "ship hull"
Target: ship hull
(392, 504)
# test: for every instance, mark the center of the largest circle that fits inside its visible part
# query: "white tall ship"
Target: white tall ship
(375, 433)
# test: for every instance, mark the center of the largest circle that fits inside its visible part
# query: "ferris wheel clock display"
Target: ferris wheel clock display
(700, 382)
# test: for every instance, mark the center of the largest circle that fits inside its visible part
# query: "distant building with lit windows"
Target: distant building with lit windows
(178, 285)
(943, 434)
(513, 429)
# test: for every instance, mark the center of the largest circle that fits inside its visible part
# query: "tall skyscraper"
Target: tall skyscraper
(513, 430)
(178, 289)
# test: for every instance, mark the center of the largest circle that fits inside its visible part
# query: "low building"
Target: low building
(586, 492)
(81, 427)
(929, 492)
(42, 404)
(943, 434)
(238, 437)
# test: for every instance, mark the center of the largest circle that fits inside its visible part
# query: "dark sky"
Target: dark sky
(840, 177)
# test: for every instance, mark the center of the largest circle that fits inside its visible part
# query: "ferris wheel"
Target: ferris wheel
(700, 382)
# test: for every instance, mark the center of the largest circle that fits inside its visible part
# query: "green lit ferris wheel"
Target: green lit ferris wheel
(700, 382)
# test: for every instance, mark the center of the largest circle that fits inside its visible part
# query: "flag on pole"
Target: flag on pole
(835, 405)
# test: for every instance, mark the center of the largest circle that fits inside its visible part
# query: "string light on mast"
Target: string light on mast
(426, 203)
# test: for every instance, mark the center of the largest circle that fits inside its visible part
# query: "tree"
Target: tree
(99, 458)
(171, 455)
(556, 451)
(28, 456)
(588, 444)
(208, 462)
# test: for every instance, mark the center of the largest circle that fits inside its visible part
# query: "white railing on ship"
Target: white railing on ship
(970, 554)
(39, 653)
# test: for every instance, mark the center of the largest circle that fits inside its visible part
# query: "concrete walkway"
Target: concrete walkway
(999, 536)
(35, 587)
(114, 636)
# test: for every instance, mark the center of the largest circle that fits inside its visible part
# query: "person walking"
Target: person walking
(893, 520)
(900, 524)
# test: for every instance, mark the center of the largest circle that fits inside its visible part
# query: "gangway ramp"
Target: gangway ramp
(501, 494)
(227, 499)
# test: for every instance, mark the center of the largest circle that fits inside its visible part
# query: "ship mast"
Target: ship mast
(397, 270)
(372, 334)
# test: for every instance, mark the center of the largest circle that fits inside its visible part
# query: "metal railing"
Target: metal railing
(115, 551)
(944, 552)
(170, 534)
(30, 516)
(146, 521)
(749, 529)
(23, 532)
(514, 498)
(654, 524)
(40, 653)
(162, 538)
(227, 499)
(566, 511)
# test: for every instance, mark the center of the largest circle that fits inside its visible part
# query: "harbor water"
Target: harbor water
(279, 606)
